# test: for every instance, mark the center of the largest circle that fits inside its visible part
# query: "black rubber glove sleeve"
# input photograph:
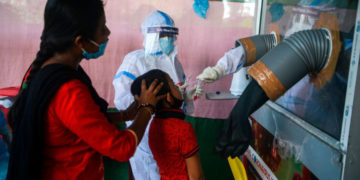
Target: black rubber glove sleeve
(237, 134)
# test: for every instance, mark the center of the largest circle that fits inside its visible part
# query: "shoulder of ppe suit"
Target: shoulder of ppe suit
(132, 60)
(135, 55)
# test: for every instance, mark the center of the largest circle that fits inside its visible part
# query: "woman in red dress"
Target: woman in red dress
(60, 124)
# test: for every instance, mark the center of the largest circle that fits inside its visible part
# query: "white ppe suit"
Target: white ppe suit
(137, 63)
(231, 62)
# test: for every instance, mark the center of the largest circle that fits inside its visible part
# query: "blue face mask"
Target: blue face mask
(97, 54)
(167, 44)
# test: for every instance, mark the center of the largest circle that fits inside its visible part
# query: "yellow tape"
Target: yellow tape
(267, 80)
(250, 51)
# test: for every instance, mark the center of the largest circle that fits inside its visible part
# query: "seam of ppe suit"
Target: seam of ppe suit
(168, 21)
(126, 73)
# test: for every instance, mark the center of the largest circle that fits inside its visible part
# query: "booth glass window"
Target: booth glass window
(322, 107)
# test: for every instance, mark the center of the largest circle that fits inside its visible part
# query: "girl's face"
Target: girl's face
(101, 35)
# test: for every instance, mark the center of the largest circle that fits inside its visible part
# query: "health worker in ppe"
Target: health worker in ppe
(237, 134)
(159, 53)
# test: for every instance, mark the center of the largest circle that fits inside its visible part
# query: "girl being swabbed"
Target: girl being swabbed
(171, 139)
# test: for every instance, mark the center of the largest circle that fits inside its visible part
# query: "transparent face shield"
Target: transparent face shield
(160, 40)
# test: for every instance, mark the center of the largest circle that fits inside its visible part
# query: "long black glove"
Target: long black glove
(237, 134)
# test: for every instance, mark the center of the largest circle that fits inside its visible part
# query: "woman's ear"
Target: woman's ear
(79, 41)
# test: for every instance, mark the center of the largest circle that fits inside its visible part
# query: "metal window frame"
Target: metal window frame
(350, 128)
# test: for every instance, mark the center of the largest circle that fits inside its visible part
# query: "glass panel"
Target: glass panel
(322, 108)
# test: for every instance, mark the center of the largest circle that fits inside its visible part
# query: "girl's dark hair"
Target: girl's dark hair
(64, 20)
(149, 77)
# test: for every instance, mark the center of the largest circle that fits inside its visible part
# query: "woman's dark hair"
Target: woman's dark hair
(149, 77)
(64, 20)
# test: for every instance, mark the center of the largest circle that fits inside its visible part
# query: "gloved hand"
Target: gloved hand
(197, 91)
(211, 74)
(183, 87)
(237, 134)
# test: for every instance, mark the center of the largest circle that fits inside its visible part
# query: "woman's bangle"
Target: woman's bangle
(148, 109)
(147, 106)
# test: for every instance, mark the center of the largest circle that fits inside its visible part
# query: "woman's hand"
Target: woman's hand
(148, 95)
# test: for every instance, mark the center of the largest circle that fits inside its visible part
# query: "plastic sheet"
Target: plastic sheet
(313, 105)
(285, 147)
(200, 7)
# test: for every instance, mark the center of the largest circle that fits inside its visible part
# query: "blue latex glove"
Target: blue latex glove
(200, 7)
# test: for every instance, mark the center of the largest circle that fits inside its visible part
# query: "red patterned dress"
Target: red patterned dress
(171, 141)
